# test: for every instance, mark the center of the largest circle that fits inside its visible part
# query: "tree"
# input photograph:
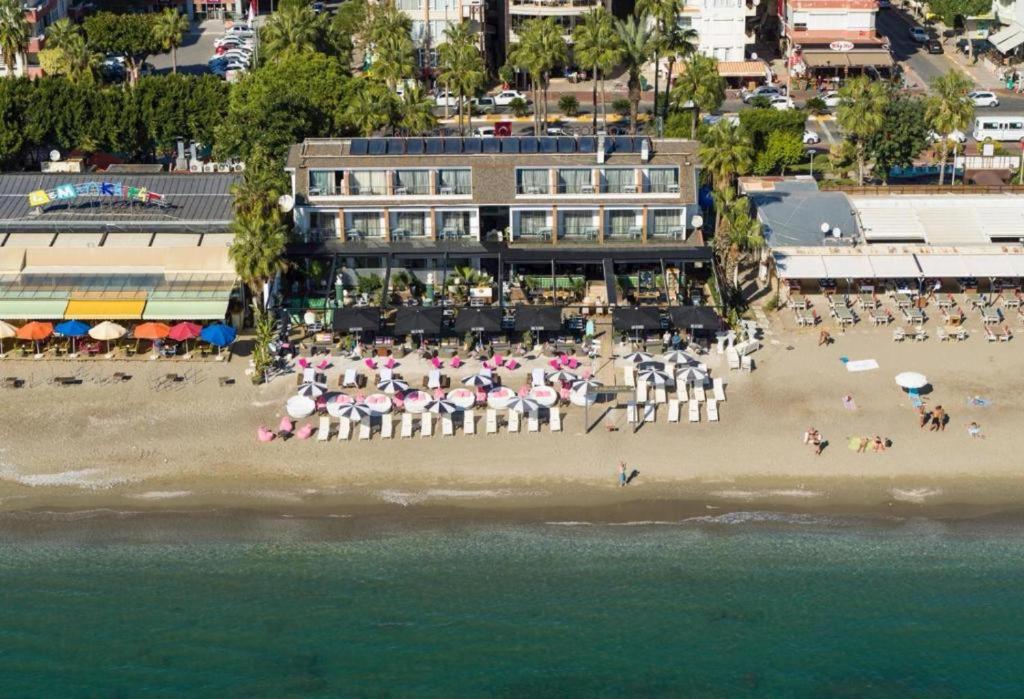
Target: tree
(257, 251)
(949, 109)
(660, 14)
(292, 29)
(60, 32)
(726, 153)
(71, 58)
(128, 35)
(638, 44)
(784, 149)
(539, 50)
(955, 12)
(393, 59)
(263, 182)
(14, 30)
(676, 43)
(369, 106)
(741, 234)
(416, 111)
(169, 28)
(759, 124)
(699, 88)
(569, 105)
(902, 137)
(861, 114)
(596, 45)
(461, 67)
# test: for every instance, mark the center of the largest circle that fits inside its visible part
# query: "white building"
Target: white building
(1010, 14)
(431, 18)
(721, 26)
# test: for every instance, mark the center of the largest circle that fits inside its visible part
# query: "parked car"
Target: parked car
(811, 137)
(956, 136)
(762, 91)
(781, 102)
(485, 104)
(831, 99)
(445, 98)
(935, 46)
(505, 97)
(919, 35)
(982, 98)
(484, 132)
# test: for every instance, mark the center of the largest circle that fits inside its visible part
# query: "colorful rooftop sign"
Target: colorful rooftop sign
(113, 190)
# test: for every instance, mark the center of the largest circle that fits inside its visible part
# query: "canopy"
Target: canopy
(695, 318)
(1006, 40)
(355, 319)
(800, 266)
(220, 335)
(847, 267)
(742, 69)
(895, 267)
(107, 331)
(486, 320)
(33, 309)
(71, 328)
(416, 320)
(93, 309)
(944, 266)
(179, 309)
(911, 379)
(637, 318)
(34, 331)
(989, 265)
(151, 331)
(822, 58)
(538, 318)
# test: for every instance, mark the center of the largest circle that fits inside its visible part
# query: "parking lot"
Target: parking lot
(195, 52)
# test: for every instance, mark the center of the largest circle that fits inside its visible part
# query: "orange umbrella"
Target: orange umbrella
(35, 331)
(151, 331)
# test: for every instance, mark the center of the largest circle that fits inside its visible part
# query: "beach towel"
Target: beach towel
(861, 365)
(979, 402)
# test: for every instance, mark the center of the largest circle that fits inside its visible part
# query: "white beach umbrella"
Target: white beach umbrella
(691, 374)
(107, 331)
(636, 357)
(6, 331)
(654, 377)
(563, 375)
(300, 406)
(393, 386)
(500, 396)
(911, 380)
(354, 411)
(312, 389)
(336, 402)
(442, 407)
(481, 380)
(679, 358)
(523, 405)
(582, 397)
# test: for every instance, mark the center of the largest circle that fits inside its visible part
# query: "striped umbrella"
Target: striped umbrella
(442, 407)
(523, 405)
(636, 357)
(353, 411)
(691, 374)
(312, 389)
(586, 384)
(679, 358)
(651, 364)
(479, 380)
(393, 386)
(654, 377)
(563, 375)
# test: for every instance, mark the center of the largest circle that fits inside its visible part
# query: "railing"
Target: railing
(670, 233)
(556, 3)
(404, 189)
(364, 233)
(319, 234)
(662, 188)
(358, 191)
(533, 189)
(884, 190)
(633, 233)
(325, 192)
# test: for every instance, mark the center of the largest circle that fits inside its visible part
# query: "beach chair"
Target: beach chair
(533, 422)
(1006, 335)
(513, 421)
(898, 335)
(712, 410)
(733, 358)
(434, 379)
(681, 392)
(942, 334)
(406, 425)
(350, 379)
(747, 363)
(641, 392)
(555, 419)
(650, 412)
(989, 335)
(538, 377)
(660, 395)
(469, 422)
(694, 411)
(447, 426)
(631, 415)
(718, 387)
(427, 425)
(961, 334)
(491, 420)
(344, 429)
(698, 393)
(387, 427)
(365, 429)
(386, 374)
(324, 433)
(673, 410)
(628, 376)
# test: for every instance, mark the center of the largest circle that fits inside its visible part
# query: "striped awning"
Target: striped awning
(186, 309)
(33, 308)
(97, 309)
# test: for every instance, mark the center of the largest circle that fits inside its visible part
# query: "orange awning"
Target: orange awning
(742, 69)
(94, 309)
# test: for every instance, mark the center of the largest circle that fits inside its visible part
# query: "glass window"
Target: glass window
(532, 222)
(455, 221)
(365, 223)
(577, 223)
(660, 179)
(665, 220)
(321, 182)
(573, 181)
(533, 181)
(368, 182)
(458, 181)
(415, 5)
(413, 181)
(621, 223)
(411, 223)
(617, 180)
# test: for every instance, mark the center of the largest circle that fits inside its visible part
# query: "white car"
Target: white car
(955, 136)
(446, 98)
(919, 35)
(505, 97)
(762, 91)
(811, 137)
(484, 132)
(983, 99)
(831, 99)
(782, 103)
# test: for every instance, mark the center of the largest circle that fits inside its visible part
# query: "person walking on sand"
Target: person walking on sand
(925, 415)
(938, 419)
(879, 444)
(974, 430)
(824, 338)
(622, 474)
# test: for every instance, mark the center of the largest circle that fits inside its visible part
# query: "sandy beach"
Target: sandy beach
(144, 444)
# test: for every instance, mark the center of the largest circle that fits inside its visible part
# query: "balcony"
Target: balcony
(669, 233)
(624, 235)
(367, 233)
(542, 8)
(318, 234)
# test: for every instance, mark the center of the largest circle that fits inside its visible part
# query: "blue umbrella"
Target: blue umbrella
(72, 329)
(220, 335)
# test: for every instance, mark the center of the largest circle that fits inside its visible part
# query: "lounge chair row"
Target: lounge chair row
(650, 411)
(408, 425)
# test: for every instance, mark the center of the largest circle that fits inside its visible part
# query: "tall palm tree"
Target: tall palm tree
(540, 48)
(638, 44)
(81, 63)
(60, 32)
(861, 113)
(700, 87)
(393, 59)
(725, 152)
(676, 43)
(169, 29)
(256, 195)
(742, 235)
(461, 66)
(662, 14)
(292, 29)
(949, 109)
(257, 251)
(14, 31)
(596, 44)
(416, 110)
(368, 108)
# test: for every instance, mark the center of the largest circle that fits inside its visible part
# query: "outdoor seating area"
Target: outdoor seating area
(76, 340)
(678, 385)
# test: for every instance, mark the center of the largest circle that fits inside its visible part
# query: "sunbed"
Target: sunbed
(427, 425)
(447, 426)
(406, 425)
(364, 429)
(387, 427)
(673, 410)
(533, 422)
(469, 422)
(555, 419)
(712, 410)
(492, 421)
(324, 433)
(719, 388)
(344, 429)
(694, 411)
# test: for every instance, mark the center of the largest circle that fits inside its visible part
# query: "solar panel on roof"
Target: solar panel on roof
(396, 146)
(414, 146)
(528, 145)
(358, 146)
(587, 144)
(453, 146)
(510, 145)
(434, 146)
(471, 145)
(491, 145)
(548, 144)
(566, 144)
(376, 146)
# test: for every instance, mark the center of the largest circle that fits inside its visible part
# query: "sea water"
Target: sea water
(748, 604)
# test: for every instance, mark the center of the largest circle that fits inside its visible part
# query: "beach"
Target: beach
(146, 444)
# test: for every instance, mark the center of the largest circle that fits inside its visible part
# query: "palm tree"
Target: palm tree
(638, 44)
(368, 108)
(461, 66)
(742, 234)
(416, 111)
(14, 31)
(701, 87)
(81, 63)
(664, 14)
(169, 29)
(677, 42)
(393, 59)
(61, 32)
(596, 44)
(861, 113)
(257, 194)
(294, 29)
(540, 48)
(949, 109)
(257, 251)
(726, 152)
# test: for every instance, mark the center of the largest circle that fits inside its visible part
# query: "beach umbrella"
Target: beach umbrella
(500, 396)
(650, 364)
(300, 406)
(481, 380)
(523, 405)
(151, 331)
(312, 389)
(911, 380)
(34, 331)
(184, 331)
(107, 331)
(679, 358)
(585, 384)
(378, 403)
(219, 335)
(336, 401)
(563, 375)
(638, 357)
(6, 330)
(354, 411)
(73, 329)
(393, 386)
(442, 407)
(655, 377)
(691, 374)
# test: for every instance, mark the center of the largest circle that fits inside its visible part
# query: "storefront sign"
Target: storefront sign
(112, 190)
(841, 46)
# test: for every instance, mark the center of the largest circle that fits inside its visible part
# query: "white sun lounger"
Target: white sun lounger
(533, 422)
(386, 374)
(492, 421)
(351, 378)
(308, 375)
(447, 426)
(747, 363)
(513, 420)
(712, 410)
(642, 392)
(694, 411)
(650, 412)
(628, 376)
(698, 393)
(555, 419)
(660, 395)
(344, 428)
(719, 388)
(406, 425)
(427, 425)
(387, 426)
(631, 416)
(434, 378)
(364, 430)
(681, 393)
(673, 410)
(469, 422)
(538, 377)
(324, 433)
(733, 358)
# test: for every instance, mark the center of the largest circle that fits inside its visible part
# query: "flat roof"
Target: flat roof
(941, 219)
(792, 211)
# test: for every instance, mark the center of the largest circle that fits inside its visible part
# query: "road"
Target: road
(892, 25)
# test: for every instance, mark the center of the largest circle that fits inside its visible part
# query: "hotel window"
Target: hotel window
(410, 223)
(412, 182)
(663, 179)
(325, 182)
(531, 223)
(533, 181)
(616, 181)
(622, 223)
(454, 181)
(409, 5)
(665, 221)
(577, 224)
(442, 6)
(368, 182)
(573, 181)
(455, 222)
(365, 224)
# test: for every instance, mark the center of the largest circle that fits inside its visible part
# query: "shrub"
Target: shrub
(621, 106)
(761, 102)
(569, 105)
(519, 107)
(816, 105)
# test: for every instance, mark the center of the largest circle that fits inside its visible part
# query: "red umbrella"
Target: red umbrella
(35, 331)
(183, 332)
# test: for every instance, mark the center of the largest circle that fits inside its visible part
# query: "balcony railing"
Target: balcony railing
(400, 190)
(631, 233)
(533, 189)
(369, 190)
(325, 192)
(364, 233)
(668, 233)
(318, 234)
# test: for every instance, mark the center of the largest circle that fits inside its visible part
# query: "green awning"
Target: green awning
(33, 309)
(186, 309)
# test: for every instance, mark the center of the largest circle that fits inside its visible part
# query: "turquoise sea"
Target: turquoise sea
(748, 604)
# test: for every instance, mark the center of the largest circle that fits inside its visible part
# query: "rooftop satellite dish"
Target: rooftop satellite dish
(286, 202)
(836, 233)
(697, 221)
(55, 155)
(825, 228)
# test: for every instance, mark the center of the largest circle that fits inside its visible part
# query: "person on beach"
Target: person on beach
(622, 474)
(925, 415)
(974, 430)
(813, 437)
(862, 447)
(879, 444)
(938, 419)
(824, 338)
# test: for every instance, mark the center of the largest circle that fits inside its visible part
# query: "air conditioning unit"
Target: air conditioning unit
(223, 167)
(238, 167)
(195, 166)
(209, 167)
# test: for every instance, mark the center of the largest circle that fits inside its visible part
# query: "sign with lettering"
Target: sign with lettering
(841, 46)
(113, 190)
